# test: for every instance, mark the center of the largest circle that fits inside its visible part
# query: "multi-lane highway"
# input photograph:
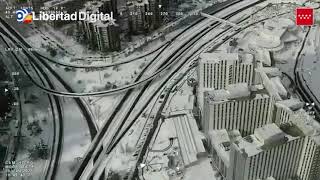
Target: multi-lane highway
(51, 80)
(168, 63)
(56, 110)
(132, 106)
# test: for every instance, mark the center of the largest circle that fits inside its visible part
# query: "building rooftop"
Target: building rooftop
(278, 86)
(240, 91)
(221, 141)
(278, 27)
(263, 55)
(301, 119)
(267, 137)
(293, 104)
(269, 133)
(229, 57)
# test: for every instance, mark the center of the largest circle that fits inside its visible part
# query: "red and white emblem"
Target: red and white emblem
(304, 16)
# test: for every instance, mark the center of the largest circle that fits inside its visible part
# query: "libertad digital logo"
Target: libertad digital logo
(24, 16)
(27, 16)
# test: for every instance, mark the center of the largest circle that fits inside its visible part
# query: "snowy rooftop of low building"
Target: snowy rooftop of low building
(267, 83)
(221, 141)
(271, 71)
(316, 138)
(305, 122)
(240, 91)
(307, 125)
(267, 137)
(289, 37)
(277, 84)
(293, 104)
(277, 27)
(263, 55)
(268, 132)
(280, 23)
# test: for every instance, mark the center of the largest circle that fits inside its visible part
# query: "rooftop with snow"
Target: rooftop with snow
(240, 91)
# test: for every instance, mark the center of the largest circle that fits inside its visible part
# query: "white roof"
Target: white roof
(216, 57)
(231, 92)
(264, 138)
(264, 56)
(280, 23)
(277, 84)
(221, 142)
(268, 132)
(292, 103)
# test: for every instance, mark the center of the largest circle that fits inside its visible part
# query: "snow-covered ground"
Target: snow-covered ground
(311, 61)
(76, 139)
(37, 109)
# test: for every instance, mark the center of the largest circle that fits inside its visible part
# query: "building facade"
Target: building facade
(309, 168)
(65, 6)
(285, 110)
(146, 15)
(220, 143)
(218, 70)
(237, 107)
(268, 152)
(137, 18)
(283, 152)
(100, 35)
(109, 6)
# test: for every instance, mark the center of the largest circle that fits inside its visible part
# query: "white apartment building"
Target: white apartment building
(282, 153)
(268, 152)
(100, 35)
(237, 107)
(218, 70)
(310, 159)
(309, 168)
(220, 144)
(286, 109)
